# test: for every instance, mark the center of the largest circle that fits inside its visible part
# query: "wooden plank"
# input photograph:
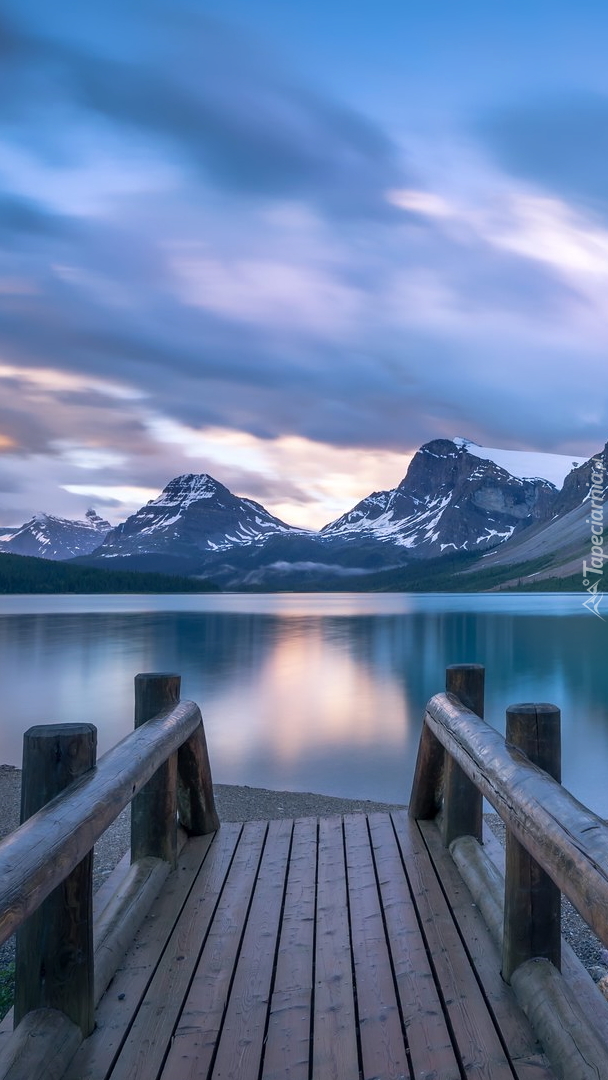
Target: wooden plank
(479, 1047)
(239, 1053)
(429, 1042)
(287, 1051)
(383, 1052)
(335, 1053)
(525, 1052)
(143, 1054)
(37, 856)
(118, 1006)
(200, 1022)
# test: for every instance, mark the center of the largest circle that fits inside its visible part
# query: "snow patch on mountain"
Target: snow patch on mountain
(184, 490)
(525, 464)
(48, 537)
(193, 514)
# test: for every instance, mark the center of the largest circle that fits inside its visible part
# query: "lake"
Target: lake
(310, 692)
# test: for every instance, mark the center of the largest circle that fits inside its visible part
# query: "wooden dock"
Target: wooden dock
(385, 946)
(333, 948)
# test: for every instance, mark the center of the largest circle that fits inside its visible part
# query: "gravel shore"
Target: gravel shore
(250, 804)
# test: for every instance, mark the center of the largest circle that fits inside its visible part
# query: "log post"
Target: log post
(462, 802)
(425, 798)
(532, 925)
(54, 947)
(154, 809)
(195, 799)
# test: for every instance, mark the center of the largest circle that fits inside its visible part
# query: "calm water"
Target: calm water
(308, 692)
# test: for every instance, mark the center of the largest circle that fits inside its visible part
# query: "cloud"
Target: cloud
(196, 234)
(222, 104)
(262, 291)
(558, 142)
(22, 217)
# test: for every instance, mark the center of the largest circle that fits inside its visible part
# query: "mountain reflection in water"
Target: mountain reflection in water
(316, 692)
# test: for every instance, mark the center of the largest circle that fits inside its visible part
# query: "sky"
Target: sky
(287, 243)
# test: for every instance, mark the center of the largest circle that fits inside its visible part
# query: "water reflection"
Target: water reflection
(308, 693)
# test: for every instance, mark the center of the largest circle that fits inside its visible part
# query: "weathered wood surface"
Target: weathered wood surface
(119, 1006)
(154, 808)
(54, 947)
(568, 1011)
(195, 798)
(532, 919)
(122, 915)
(426, 1025)
(40, 1047)
(36, 858)
(286, 950)
(577, 1052)
(289, 1020)
(427, 785)
(478, 1041)
(566, 839)
(589, 996)
(462, 802)
(484, 950)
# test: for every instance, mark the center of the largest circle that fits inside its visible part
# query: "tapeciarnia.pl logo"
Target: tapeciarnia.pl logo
(593, 571)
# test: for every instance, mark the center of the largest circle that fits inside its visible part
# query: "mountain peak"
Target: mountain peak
(96, 520)
(450, 499)
(189, 488)
(441, 448)
(49, 537)
(194, 513)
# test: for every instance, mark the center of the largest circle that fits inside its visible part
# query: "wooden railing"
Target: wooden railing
(46, 864)
(554, 844)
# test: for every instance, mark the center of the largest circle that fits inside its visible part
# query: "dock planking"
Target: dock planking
(289, 1021)
(308, 950)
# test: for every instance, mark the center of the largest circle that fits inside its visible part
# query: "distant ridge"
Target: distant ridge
(49, 537)
(458, 509)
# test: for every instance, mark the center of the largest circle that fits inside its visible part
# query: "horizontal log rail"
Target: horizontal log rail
(554, 845)
(36, 858)
(67, 803)
(567, 840)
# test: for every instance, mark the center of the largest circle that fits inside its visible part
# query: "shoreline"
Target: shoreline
(242, 803)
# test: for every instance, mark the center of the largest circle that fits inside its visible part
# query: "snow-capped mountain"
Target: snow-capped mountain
(48, 537)
(525, 464)
(450, 499)
(564, 541)
(456, 498)
(193, 515)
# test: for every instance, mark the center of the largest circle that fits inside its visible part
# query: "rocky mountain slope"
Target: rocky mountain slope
(193, 517)
(48, 537)
(449, 500)
(564, 541)
(456, 502)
